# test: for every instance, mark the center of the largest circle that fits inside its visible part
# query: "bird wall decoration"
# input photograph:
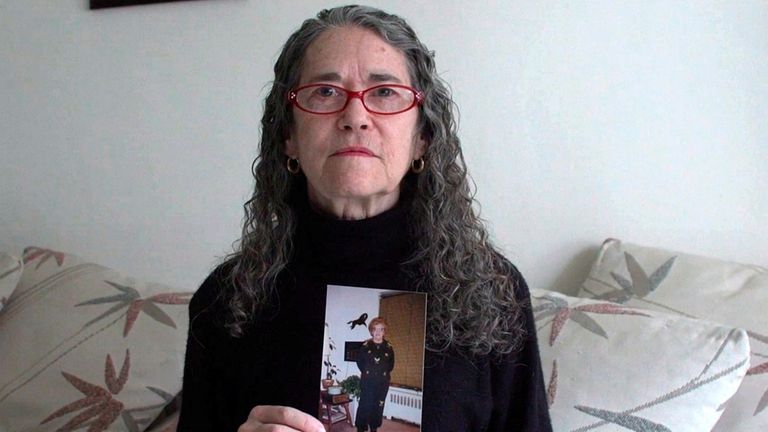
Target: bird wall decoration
(360, 321)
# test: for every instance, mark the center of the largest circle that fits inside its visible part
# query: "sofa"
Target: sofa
(655, 340)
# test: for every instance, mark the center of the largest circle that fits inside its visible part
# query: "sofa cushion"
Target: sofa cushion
(90, 346)
(10, 272)
(694, 286)
(609, 365)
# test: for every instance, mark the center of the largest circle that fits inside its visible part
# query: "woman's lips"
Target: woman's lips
(354, 151)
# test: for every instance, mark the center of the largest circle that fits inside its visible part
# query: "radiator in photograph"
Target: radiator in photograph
(403, 404)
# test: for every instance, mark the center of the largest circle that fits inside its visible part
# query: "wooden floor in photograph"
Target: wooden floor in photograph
(386, 426)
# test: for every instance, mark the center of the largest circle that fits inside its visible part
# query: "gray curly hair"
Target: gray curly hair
(472, 304)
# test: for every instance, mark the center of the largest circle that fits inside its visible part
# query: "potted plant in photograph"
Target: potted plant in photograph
(351, 386)
(331, 370)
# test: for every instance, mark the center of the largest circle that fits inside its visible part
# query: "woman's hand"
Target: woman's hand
(280, 419)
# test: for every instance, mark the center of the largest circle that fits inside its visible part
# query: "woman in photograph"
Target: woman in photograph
(375, 359)
(360, 181)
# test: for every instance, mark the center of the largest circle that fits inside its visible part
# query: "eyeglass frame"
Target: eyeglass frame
(418, 98)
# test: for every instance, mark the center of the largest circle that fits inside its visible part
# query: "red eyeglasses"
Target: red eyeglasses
(387, 99)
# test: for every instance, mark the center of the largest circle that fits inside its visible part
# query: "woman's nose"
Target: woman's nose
(354, 116)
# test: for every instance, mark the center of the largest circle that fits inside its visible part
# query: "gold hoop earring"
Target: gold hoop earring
(292, 165)
(417, 165)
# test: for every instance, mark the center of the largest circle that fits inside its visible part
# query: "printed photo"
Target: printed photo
(373, 360)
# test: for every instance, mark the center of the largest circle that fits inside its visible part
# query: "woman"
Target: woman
(375, 359)
(360, 181)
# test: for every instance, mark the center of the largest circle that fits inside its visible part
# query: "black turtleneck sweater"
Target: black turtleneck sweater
(277, 362)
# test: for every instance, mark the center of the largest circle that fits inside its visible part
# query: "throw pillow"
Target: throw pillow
(611, 367)
(10, 271)
(700, 287)
(91, 347)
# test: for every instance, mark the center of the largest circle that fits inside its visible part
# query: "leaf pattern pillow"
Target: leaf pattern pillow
(10, 271)
(697, 287)
(91, 348)
(612, 367)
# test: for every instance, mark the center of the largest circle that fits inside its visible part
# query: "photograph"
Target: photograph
(373, 360)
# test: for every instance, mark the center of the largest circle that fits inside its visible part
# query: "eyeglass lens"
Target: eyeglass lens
(379, 99)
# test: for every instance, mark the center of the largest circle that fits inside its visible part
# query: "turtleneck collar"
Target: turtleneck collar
(351, 245)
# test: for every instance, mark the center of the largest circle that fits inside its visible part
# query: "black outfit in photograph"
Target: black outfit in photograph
(375, 361)
(278, 362)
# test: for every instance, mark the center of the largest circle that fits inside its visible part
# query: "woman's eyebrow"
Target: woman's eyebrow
(377, 77)
(383, 77)
(326, 76)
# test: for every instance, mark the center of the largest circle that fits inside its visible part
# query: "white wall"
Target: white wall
(127, 134)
